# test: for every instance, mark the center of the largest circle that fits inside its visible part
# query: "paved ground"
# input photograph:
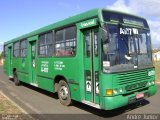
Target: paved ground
(45, 105)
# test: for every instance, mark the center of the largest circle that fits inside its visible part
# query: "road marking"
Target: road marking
(13, 102)
(14, 95)
(9, 87)
(27, 104)
(2, 82)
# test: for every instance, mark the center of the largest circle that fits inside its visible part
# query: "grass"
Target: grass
(9, 110)
(157, 68)
(6, 107)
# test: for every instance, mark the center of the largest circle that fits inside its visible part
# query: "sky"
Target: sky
(18, 17)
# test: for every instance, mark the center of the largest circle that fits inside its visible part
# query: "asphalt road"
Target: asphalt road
(45, 105)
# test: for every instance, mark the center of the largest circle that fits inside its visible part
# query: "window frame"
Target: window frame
(52, 44)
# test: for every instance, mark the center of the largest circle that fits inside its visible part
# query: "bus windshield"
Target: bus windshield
(128, 48)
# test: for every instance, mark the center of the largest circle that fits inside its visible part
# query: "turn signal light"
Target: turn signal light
(109, 92)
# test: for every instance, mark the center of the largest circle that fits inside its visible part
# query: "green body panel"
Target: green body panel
(109, 103)
(70, 70)
(23, 77)
(8, 61)
(120, 80)
(41, 72)
(75, 94)
(45, 83)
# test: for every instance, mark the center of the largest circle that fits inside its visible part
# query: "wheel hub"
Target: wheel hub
(64, 92)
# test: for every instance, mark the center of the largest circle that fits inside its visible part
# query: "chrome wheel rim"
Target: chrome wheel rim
(63, 92)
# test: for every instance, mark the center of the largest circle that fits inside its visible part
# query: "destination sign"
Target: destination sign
(88, 23)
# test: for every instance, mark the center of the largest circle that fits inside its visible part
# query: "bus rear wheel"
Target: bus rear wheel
(64, 93)
(15, 77)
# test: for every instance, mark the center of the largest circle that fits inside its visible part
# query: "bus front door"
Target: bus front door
(91, 66)
(33, 63)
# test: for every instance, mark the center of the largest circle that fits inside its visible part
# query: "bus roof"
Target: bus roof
(65, 22)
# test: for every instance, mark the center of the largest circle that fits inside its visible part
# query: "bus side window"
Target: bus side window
(46, 45)
(16, 49)
(66, 42)
(23, 48)
(5, 51)
(87, 44)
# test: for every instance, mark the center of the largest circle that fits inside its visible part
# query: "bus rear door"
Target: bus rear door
(32, 59)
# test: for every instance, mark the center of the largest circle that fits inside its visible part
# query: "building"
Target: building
(156, 56)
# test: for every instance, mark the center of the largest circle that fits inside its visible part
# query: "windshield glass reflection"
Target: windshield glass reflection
(128, 48)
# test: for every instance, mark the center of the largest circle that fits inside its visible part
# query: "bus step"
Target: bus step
(91, 104)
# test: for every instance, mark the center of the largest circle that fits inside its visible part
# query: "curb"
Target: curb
(23, 111)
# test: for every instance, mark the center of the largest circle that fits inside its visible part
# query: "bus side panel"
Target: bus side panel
(16, 63)
(21, 68)
(23, 77)
(49, 68)
(8, 61)
(45, 83)
(75, 92)
(5, 66)
(21, 64)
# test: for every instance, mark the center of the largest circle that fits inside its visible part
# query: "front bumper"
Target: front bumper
(109, 103)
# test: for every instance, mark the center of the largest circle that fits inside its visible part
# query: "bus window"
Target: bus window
(96, 43)
(66, 42)
(88, 44)
(23, 48)
(46, 45)
(16, 49)
(5, 51)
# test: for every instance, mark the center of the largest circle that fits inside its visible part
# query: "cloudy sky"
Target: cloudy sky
(18, 17)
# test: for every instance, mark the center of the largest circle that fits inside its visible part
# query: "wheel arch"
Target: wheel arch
(56, 80)
(14, 70)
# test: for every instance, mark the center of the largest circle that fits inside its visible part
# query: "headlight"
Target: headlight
(149, 83)
(151, 73)
(121, 90)
(153, 82)
(115, 91)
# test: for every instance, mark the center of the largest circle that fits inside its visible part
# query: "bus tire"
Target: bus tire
(64, 93)
(15, 77)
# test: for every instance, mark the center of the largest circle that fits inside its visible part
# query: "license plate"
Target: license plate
(140, 95)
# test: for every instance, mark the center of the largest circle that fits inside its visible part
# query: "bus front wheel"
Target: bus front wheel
(64, 93)
(15, 77)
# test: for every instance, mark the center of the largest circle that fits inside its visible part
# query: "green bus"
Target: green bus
(101, 58)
